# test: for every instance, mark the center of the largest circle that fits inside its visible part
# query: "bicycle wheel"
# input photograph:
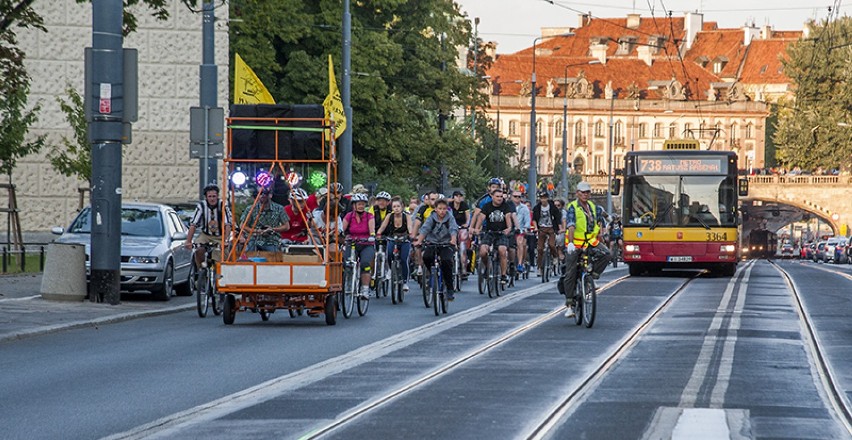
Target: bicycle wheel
(614, 256)
(444, 302)
(427, 289)
(589, 301)
(545, 267)
(494, 278)
(202, 292)
(363, 304)
(481, 277)
(395, 285)
(578, 298)
(350, 286)
(217, 301)
(436, 286)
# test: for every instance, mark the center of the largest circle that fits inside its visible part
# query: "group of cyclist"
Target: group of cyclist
(434, 225)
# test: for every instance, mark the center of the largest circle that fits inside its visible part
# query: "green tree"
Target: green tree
(815, 130)
(15, 122)
(74, 156)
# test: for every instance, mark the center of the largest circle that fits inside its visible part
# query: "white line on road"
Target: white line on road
(23, 298)
(726, 363)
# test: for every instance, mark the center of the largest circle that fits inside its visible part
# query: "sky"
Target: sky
(515, 23)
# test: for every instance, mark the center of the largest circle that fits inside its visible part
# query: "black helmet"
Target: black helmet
(211, 187)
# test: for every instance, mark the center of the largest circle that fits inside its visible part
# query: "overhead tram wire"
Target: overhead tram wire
(663, 46)
(682, 64)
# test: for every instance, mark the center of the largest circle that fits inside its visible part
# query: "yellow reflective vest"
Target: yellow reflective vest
(581, 225)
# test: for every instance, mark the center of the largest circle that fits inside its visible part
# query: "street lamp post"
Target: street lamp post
(531, 177)
(609, 158)
(565, 164)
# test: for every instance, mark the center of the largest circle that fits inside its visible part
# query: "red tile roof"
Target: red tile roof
(763, 63)
(723, 44)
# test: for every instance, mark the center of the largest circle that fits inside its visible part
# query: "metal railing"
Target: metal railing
(14, 259)
(799, 180)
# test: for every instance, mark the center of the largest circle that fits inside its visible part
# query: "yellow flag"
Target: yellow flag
(333, 104)
(247, 86)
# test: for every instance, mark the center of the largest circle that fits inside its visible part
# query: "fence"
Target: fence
(29, 257)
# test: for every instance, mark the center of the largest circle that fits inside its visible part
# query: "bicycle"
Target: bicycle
(489, 275)
(396, 281)
(437, 289)
(350, 295)
(203, 282)
(616, 252)
(585, 292)
(380, 279)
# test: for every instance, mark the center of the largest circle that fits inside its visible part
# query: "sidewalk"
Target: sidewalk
(24, 313)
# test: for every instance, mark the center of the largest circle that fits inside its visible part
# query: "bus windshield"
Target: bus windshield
(691, 201)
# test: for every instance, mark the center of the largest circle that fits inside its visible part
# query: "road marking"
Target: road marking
(170, 426)
(726, 363)
(24, 298)
(699, 424)
(702, 364)
(694, 424)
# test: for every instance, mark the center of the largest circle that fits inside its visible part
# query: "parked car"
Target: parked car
(787, 250)
(153, 256)
(830, 246)
(819, 252)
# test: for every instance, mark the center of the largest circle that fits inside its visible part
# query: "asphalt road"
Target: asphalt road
(722, 354)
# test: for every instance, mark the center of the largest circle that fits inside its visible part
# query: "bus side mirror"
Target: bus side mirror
(615, 187)
(742, 187)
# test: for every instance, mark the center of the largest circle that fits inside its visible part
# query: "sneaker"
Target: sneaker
(365, 292)
(450, 295)
(405, 287)
(387, 275)
(520, 268)
(569, 312)
(504, 279)
(419, 271)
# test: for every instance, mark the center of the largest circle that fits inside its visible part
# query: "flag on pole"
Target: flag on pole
(333, 104)
(247, 86)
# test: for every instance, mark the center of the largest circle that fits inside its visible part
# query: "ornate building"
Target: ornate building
(637, 81)
(156, 165)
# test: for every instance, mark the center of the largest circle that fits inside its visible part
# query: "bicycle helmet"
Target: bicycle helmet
(298, 194)
(383, 195)
(359, 198)
(337, 187)
(322, 192)
(440, 197)
(211, 187)
(495, 181)
(543, 194)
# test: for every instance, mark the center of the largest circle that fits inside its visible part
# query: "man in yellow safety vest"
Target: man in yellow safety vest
(584, 222)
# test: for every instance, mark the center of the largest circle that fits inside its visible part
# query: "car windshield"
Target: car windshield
(137, 222)
(697, 201)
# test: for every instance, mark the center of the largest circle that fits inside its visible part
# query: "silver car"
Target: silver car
(153, 256)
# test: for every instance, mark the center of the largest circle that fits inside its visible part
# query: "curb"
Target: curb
(12, 336)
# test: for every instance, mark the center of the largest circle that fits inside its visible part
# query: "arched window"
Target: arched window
(643, 130)
(749, 131)
(658, 130)
(687, 131)
(579, 165)
(619, 133)
(540, 126)
(599, 130)
(558, 130)
(734, 136)
(513, 128)
(672, 131)
(579, 133)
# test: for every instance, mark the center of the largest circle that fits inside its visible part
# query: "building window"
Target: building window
(643, 130)
(672, 131)
(658, 129)
(717, 67)
(513, 128)
(734, 138)
(749, 131)
(599, 129)
(619, 133)
(538, 160)
(559, 128)
(598, 164)
(687, 131)
(619, 162)
(539, 131)
(702, 130)
(579, 133)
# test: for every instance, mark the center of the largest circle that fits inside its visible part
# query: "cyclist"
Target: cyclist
(584, 226)
(382, 207)
(461, 212)
(523, 216)
(547, 219)
(208, 218)
(616, 232)
(360, 226)
(440, 228)
(299, 211)
(398, 226)
(423, 212)
(493, 183)
(498, 215)
(264, 221)
(327, 202)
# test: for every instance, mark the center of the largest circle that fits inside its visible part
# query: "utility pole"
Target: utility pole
(609, 158)
(531, 176)
(442, 126)
(208, 90)
(346, 138)
(106, 129)
(475, 74)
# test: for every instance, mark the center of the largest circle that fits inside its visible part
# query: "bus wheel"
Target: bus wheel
(635, 269)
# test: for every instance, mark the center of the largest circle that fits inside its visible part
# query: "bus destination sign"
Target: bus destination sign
(680, 165)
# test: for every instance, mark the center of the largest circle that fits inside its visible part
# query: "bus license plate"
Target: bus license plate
(679, 259)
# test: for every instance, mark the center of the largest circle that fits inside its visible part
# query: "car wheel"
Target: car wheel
(164, 293)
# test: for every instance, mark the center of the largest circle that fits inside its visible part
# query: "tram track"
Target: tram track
(828, 377)
(555, 414)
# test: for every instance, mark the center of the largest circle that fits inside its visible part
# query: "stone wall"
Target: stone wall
(157, 164)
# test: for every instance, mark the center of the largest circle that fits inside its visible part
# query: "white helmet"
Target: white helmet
(359, 197)
(440, 197)
(337, 188)
(322, 192)
(383, 195)
(298, 194)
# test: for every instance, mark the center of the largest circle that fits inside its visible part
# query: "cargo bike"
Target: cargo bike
(303, 277)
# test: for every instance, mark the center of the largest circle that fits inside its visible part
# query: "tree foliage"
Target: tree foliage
(73, 157)
(15, 122)
(404, 74)
(816, 130)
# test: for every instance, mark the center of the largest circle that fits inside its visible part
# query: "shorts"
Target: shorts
(495, 240)
(211, 239)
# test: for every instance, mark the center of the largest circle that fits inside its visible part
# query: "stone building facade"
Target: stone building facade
(156, 165)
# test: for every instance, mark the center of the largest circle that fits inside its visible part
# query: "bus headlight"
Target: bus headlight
(727, 248)
(631, 248)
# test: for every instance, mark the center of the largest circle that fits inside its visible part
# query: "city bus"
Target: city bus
(680, 209)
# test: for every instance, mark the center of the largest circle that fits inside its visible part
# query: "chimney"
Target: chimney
(633, 21)
(766, 32)
(645, 54)
(584, 19)
(598, 51)
(750, 32)
(693, 22)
